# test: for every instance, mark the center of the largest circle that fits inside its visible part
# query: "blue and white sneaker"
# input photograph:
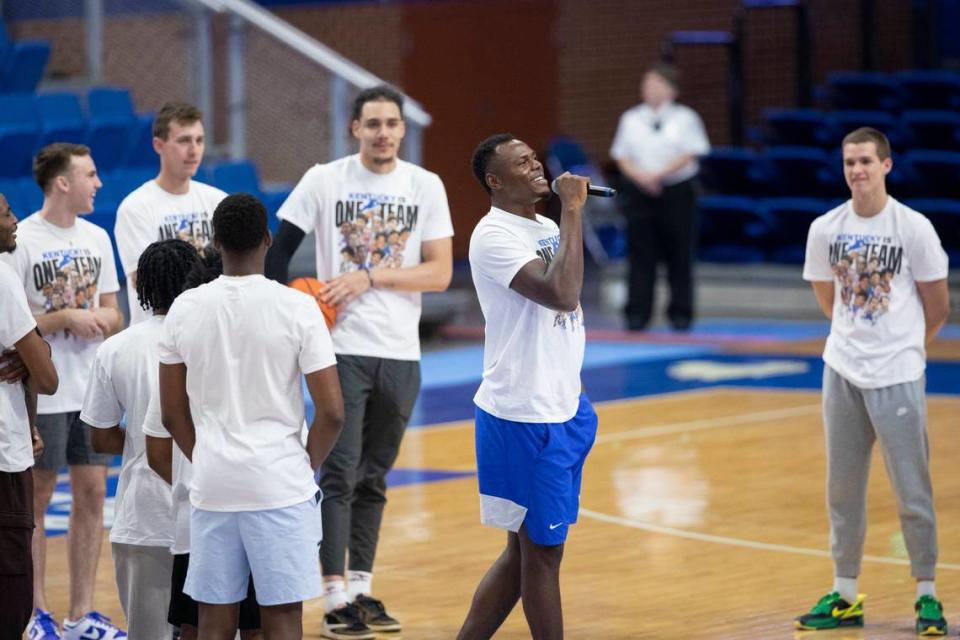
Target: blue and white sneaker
(42, 626)
(93, 626)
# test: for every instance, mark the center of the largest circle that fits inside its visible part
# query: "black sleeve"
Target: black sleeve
(285, 244)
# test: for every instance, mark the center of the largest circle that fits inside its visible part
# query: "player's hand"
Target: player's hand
(83, 324)
(342, 289)
(37, 443)
(648, 182)
(572, 190)
(105, 317)
(12, 369)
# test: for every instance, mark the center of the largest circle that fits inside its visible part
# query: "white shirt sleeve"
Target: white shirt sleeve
(316, 351)
(620, 149)
(134, 234)
(101, 406)
(437, 223)
(816, 265)
(928, 260)
(695, 142)
(168, 348)
(302, 206)
(152, 425)
(108, 269)
(16, 321)
(498, 254)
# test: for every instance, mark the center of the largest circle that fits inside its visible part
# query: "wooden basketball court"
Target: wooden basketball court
(702, 517)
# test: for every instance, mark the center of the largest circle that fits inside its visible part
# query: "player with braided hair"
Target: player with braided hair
(123, 379)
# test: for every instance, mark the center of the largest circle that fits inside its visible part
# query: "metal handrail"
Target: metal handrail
(311, 48)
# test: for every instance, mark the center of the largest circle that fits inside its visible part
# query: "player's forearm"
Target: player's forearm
(53, 322)
(676, 165)
(160, 457)
(324, 432)
(426, 276)
(564, 276)
(107, 440)
(30, 398)
(184, 434)
(112, 317)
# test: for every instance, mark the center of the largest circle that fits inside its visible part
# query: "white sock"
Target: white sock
(334, 595)
(358, 583)
(926, 588)
(846, 587)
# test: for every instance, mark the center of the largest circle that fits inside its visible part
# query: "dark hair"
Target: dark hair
(180, 112)
(240, 223)
(209, 268)
(162, 271)
(869, 134)
(376, 94)
(54, 160)
(484, 153)
(668, 72)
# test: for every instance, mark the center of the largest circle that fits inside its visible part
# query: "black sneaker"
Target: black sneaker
(375, 615)
(345, 623)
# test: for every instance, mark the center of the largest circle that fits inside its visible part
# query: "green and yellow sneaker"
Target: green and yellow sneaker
(832, 612)
(930, 621)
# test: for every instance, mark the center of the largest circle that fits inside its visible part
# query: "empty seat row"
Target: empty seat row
(22, 63)
(116, 134)
(927, 129)
(810, 171)
(912, 89)
(744, 229)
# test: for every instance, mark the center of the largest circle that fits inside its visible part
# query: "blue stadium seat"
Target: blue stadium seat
(140, 152)
(5, 43)
(19, 131)
(127, 179)
(110, 126)
(847, 121)
(924, 89)
(864, 90)
(805, 171)
(938, 172)
(733, 229)
(240, 176)
(24, 65)
(945, 216)
(732, 170)
(934, 129)
(792, 217)
(31, 195)
(803, 127)
(61, 119)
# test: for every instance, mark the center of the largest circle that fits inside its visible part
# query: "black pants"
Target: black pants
(16, 560)
(378, 398)
(662, 228)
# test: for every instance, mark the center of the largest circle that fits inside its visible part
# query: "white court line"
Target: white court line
(737, 542)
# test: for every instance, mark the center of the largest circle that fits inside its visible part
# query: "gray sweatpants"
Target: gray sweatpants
(143, 580)
(897, 417)
(378, 399)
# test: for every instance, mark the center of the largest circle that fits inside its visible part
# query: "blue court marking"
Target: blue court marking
(756, 329)
(400, 477)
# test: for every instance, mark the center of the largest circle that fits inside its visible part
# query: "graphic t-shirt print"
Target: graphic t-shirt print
(67, 279)
(865, 266)
(565, 320)
(373, 230)
(190, 227)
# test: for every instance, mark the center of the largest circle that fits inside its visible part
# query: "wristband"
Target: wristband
(369, 277)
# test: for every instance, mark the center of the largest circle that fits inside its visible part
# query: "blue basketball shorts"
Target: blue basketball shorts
(530, 472)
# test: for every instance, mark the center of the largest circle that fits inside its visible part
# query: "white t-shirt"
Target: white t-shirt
(181, 472)
(531, 354)
(651, 139)
(64, 269)
(124, 377)
(245, 342)
(878, 329)
(149, 214)
(400, 210)
(16, 321)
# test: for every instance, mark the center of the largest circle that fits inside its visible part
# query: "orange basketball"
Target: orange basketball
(313, 287)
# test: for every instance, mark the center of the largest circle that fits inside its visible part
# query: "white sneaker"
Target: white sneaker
(42, 626)
(93, 626)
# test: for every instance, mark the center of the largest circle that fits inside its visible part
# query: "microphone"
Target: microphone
(599, 192)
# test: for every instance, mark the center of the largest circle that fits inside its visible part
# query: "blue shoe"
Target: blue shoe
(42, 626)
